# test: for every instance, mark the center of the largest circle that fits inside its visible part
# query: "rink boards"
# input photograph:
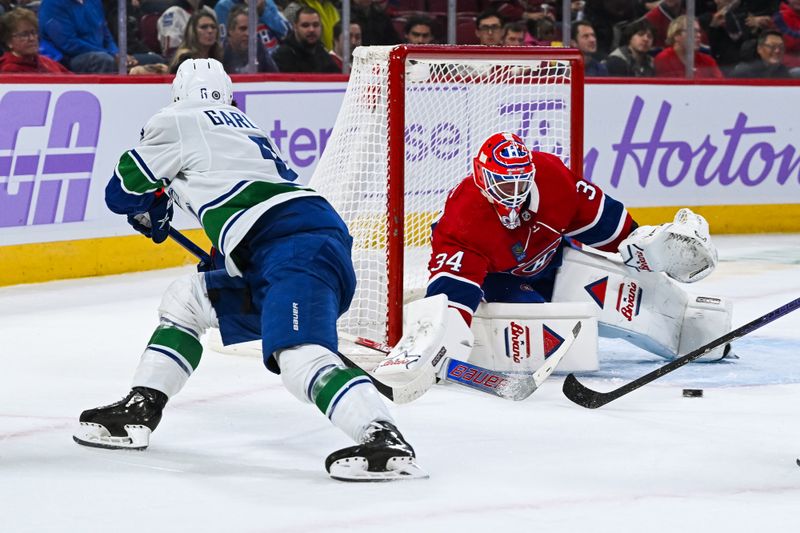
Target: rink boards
(718, 148)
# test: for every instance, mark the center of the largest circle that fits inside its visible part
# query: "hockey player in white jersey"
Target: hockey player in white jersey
(287, 277)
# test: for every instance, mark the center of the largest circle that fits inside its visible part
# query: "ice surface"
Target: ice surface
(235, 452)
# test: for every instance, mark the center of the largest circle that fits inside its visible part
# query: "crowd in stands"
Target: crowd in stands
(627, 38)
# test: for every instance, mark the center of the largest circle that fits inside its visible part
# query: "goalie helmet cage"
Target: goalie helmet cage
(409, 125)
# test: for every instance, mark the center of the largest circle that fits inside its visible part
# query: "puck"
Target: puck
(692, 393)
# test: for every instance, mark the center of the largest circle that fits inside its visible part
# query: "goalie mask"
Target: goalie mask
(504, 172)
(202, 80)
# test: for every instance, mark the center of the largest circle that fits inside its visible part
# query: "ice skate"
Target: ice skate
(124, 424)
(383, 456)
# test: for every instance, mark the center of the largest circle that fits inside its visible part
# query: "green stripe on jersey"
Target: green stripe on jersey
(184, 343)
(331, 383)
(133, 179)
(254, 193)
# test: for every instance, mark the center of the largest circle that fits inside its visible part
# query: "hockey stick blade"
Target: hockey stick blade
(591, 399)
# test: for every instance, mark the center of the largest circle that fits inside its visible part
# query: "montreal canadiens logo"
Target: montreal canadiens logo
(511, 154)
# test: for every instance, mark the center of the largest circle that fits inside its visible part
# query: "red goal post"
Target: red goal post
(409, 125)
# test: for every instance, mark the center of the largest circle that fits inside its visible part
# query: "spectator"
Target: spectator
(418, 30)
(514, 34)
(200, 40)
(542, 32)
(268, 14)
(769, 64)
(329, 15)
(726, 32)
(607, 17)
(669, 63)
(235, 49)
(787, 21)
(78, 30)
(489, 28)
(338, 43)
(632, 58)
(172, 24)
(660, 17)
(733, 26)
(20, 34)
(303, 51)
(135, 47)
(375, 22)
(584, 39)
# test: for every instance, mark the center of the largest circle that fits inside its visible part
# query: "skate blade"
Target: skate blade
(397, 468)
(97, 436)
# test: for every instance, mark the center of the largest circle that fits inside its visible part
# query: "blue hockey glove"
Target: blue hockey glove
(154, 223)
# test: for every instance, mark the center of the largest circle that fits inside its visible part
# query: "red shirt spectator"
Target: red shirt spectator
(21, 36)
(669, 63)
(660, 18)
(38, 64)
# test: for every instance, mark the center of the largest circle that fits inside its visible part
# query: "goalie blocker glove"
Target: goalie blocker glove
(384, 455)
(124, 424)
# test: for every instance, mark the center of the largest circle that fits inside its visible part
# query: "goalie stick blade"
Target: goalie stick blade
(585, 397)
(507, 385)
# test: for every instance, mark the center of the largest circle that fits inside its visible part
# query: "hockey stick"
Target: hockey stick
(514, 386)
(586, 397)
(205, 259)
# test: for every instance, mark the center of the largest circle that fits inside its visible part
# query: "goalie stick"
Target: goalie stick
(591, 399)
(514, 386)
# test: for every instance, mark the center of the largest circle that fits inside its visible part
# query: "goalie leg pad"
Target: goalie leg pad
(706, 319)
(647, 309)
(520, 337)
(346, 396)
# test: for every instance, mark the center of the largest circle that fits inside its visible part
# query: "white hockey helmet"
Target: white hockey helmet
(202, 80)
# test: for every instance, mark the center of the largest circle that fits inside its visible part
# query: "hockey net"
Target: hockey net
(410, 123)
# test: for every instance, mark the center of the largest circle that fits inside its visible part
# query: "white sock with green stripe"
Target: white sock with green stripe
(346, 396)
(171, 356)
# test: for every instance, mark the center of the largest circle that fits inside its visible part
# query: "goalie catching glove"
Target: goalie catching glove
(682, 249)
(433, 332)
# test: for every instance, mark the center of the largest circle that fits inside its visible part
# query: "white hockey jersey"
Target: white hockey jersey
(216, 164)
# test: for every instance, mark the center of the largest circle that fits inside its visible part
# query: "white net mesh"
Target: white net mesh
(451, 107)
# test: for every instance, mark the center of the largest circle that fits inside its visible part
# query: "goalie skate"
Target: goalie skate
(383, 456)
(126, 424)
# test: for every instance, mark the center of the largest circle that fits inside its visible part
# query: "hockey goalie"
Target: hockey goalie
(524, 241)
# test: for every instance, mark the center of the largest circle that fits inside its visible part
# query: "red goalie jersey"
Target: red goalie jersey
(475, 256)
